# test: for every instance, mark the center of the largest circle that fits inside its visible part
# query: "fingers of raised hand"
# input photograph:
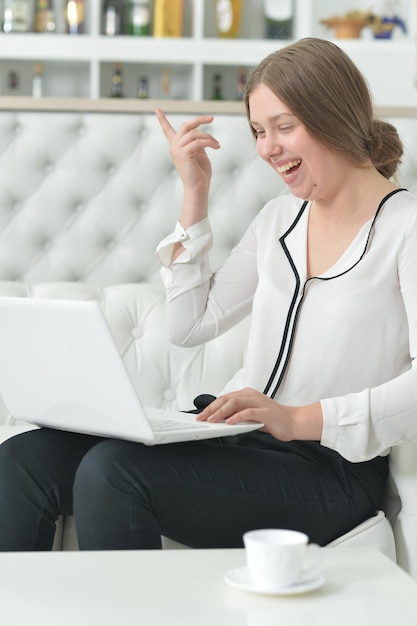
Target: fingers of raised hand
(194, 142)
(167, 129)
(188, 132)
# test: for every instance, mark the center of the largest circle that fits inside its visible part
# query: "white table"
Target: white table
(186, 587)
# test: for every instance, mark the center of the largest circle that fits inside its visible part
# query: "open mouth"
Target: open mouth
(289, 168)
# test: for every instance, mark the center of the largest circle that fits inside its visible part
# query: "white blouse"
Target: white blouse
(347, 337)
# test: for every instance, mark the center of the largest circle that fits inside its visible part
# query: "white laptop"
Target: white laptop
(60, 368)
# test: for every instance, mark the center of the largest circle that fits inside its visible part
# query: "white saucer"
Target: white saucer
(240, 579)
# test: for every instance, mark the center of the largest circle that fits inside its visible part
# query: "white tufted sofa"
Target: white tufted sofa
(87, 189)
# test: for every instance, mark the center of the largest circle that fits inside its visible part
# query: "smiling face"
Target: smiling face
(309, 168)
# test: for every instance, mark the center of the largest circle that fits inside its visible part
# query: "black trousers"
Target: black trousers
(124, 495)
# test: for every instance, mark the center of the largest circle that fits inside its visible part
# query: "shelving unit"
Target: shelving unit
(81, 65)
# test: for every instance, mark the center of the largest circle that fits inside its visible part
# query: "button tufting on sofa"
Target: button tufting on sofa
(170, 395)
(137, 332)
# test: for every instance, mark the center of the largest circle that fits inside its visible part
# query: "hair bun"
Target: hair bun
(385, 147)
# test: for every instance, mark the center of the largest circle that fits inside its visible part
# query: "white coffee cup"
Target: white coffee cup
(278, 558)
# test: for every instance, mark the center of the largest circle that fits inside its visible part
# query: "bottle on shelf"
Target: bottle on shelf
(7, 17)
(279, 19)
(241, 84)
(18, 16)
(217, 87)
(140, 15)
(44, 17)
(75, 16)
(13, 80)
(228, 17)
(113, 23)
(168, 19)
(38, 87)
(117, 82)
(165, 83)
(143, 88)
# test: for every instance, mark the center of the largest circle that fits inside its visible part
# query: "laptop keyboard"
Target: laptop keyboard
(160, 424)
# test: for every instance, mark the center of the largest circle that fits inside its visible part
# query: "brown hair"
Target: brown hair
(330, 96)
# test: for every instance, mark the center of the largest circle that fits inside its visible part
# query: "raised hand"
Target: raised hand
(187, 148)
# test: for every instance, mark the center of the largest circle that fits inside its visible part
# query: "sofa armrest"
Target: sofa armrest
(10, 430)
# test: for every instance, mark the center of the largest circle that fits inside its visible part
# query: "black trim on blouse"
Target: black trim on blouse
(288, 337)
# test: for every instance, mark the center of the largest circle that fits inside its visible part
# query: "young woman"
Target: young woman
(328, 273)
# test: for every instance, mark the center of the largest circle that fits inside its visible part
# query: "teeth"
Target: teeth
(284, 168)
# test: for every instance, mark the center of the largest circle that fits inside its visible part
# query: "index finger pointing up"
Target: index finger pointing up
(165, 125)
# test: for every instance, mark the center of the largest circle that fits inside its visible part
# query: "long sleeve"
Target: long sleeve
(203, 304)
